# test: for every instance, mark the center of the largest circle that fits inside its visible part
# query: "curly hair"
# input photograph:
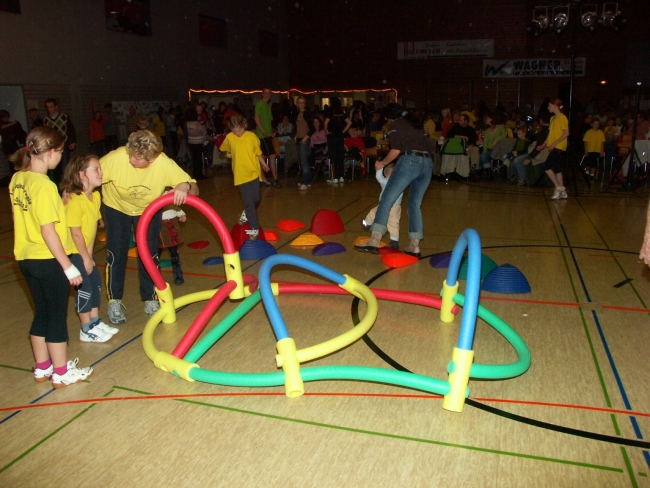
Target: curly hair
(144, 144)
(71, 181)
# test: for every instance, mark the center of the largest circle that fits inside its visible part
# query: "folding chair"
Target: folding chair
(358, 143)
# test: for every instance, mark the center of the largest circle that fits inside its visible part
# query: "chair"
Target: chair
(358, 143)
(454, 157)
(623, 148)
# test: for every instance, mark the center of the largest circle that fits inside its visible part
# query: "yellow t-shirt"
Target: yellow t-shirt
(594, 140)
(36, 202)
(244, 150)
(559, 123)
(83, 213)
(128, 189)
(430, 129)
(159, 126)
(471, 116)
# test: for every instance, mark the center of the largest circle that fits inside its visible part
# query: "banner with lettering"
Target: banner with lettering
(474, 48)
(534, 68)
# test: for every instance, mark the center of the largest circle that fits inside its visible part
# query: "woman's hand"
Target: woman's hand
(89, 264)
(180, 193)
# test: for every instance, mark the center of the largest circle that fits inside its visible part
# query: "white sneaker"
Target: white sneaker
(303, 188)
(333, 180)
(72, 376)
(151, 307)
(252, 234)
(557, 194)
(42, 375)
(115, 314)
(341, 180)
(94, 335)
(243, 219)
(563, 195)
(107, 328)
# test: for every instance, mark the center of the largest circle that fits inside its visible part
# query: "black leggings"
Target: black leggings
(553, 161)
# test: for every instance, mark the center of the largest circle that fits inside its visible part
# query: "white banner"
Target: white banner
(476, 48)
(534, 68)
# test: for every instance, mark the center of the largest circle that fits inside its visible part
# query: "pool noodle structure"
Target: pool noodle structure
(182, 361)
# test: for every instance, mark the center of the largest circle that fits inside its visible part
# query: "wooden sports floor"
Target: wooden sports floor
(579, 417)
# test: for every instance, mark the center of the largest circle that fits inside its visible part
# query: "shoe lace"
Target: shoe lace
(116, 306)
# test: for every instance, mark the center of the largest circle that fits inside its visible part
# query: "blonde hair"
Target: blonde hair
(144, 144)
(237, 120)
(39, 141)
(71, 181)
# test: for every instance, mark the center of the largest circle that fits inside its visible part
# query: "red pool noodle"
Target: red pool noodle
(147, 215)
(202, 319)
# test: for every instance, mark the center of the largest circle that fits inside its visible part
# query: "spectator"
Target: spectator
(160, 126)
(263, 120)
(172, 136)
(594, 140)
(97, 135)
(196, 136)
(12, 134)
(218, 119)
(556, 144)
(375, 123)
(464, 131)
(337, 124)
(493, 134)
(64, 125)
(131, 121)
(110, 128)
(304, 124)
(35, 119)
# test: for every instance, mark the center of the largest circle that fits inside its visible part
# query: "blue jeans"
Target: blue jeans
(486, 158)
(304, 151)
(518, 163)
(413, 171)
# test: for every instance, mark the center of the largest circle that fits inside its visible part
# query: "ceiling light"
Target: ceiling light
(560, 19)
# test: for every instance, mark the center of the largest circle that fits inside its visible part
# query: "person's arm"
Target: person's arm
(182, 190)
(53, 243)
(80, 242)
(262, 160)
(348, 123)
(586, 148)
(392, 155)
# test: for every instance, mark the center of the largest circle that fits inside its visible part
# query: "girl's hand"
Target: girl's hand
(180, 193)
(101, 224)
(182, 218)
(551, 147)
(73, 275)
(89, 265)
(266, 168)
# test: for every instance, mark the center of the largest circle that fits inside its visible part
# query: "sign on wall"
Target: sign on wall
(536, 68)
(473, 48)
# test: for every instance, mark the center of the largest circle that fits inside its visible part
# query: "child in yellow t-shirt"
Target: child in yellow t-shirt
(42, 247)
(82, 175)
(594, 140)
(244, 147)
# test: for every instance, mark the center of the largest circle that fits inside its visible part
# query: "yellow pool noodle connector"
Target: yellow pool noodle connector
(172, 364)
(232, 263)
(448, 293)
(293, 384)
(166, 300)
(361, 291)
(459, 368)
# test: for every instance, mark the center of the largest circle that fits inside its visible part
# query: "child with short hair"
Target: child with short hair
(382, 173)
(81, 177)
(517, 172)
(244, 147)
(42, 246)
(594, 140)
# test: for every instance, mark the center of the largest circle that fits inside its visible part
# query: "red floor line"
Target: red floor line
(627, 309)
(281, 394)
(603, 256)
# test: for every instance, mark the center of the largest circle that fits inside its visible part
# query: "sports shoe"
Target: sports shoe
(557, 194)
(266, 183)
(371, 245)
(521, 183)
(365, 225)
(42, 375)
(151, 307)
(341, 180)
(393, 244)
(242, 218)
(95, 334)
(72, 376)
(252, 234)
(115, 314)
(332, 181)
(563, 195)
(303, 188)
(106, 328)
(277, 184)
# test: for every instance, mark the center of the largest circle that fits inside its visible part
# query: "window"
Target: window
(213, 32)
(12, 6)
(132, 17)
(268, 44)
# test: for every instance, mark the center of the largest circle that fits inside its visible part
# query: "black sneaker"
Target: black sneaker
(277, 184)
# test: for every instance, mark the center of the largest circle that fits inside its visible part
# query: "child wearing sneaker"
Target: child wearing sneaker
(594, 140)
(556, 143)
(382, 172)
(80, 179)
(244, 147)
(42, 247)
(171, 238)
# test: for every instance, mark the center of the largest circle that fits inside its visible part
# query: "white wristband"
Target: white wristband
(72, 272)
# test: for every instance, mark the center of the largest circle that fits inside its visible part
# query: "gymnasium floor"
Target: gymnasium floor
(587, 328)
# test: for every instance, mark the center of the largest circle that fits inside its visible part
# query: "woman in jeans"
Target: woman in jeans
(304, 126)
(410, 146)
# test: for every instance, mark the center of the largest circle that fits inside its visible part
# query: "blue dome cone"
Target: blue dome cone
(327, 248)
(506, 279)
(256, 250)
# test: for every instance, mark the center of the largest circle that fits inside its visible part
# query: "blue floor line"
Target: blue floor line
(601, 333)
